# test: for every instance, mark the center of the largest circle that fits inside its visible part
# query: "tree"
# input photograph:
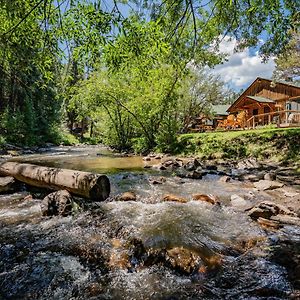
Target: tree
(288, 62)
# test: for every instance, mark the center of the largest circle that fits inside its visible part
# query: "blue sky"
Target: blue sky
(243, 67)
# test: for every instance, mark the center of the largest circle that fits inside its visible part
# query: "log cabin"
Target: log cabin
(267, 102)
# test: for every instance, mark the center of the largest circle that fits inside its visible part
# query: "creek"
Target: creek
(143, 249)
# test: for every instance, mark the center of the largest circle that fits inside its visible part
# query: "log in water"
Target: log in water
(85, 184)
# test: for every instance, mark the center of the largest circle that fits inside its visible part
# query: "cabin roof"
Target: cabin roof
(258, 80)
(261, 99)
(220, 109)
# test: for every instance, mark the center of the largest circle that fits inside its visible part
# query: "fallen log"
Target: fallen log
(85, 184)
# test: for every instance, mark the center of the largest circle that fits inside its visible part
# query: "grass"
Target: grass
(266, 143)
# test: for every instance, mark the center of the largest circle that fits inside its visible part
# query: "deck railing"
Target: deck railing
(288, 117)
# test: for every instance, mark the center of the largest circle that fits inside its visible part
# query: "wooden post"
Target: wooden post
(85, 184)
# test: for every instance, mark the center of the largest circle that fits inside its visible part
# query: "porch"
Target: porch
(284, 118)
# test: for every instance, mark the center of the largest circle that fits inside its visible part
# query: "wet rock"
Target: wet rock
(127, 196)
(270, 176)
(159, 180)
(192, 165)
(57, 203)
(224, 179)
(183, 259)
(211, 167)
(172, 163)
(238, 201)
(159, 167)
(147, 158)
(269, 223)
(174, 198)
(183, 173)
(250, 163)
(7, 184)
(251, 177)
(290, 194)
(206, 198)
(194, 175)
(264, 185)
(267, 209)
(285, 219)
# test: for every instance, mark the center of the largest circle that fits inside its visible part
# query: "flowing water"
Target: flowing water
(144, 249)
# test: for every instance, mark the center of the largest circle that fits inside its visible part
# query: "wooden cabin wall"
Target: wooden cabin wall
(271, 95)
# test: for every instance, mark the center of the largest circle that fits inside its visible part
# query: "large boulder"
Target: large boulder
(57, 203)
(7, 184)
(264, 185)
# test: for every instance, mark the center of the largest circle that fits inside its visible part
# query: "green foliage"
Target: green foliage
(276, 144)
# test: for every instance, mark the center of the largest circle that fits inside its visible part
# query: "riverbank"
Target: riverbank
(278, 145)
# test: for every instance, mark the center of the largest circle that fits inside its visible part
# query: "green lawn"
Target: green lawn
(266, 143)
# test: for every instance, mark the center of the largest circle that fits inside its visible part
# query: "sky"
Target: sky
(242, 68)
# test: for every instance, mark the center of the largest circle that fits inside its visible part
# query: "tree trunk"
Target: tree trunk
(85, 184)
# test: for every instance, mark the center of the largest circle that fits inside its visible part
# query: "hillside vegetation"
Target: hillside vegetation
(274, 144)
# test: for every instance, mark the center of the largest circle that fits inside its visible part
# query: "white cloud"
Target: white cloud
(242, 68)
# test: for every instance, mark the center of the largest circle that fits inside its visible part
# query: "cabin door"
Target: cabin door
(266, 118)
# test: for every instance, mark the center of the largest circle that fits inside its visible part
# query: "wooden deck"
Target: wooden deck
(284, 118)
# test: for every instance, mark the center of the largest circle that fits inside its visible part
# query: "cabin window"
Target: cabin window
(255, 112)
(266, 109)
(288, 106)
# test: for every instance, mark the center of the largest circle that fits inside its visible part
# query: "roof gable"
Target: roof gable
(287, 88)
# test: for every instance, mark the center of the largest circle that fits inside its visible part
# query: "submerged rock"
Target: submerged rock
(206, 198)
(127, 196)
(183, 259)
(158, 180)
(57, 203)
(174, 198)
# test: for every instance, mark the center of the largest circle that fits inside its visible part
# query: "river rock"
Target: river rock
(159, 167)
(57, 203)
(192, 165)
(127, 196)
(285, 219)
(224, 178)
(7, 184)
(267, 209)
(250, 163)
(158, 180)
(238, 201)
(290, 194)
(194, 175)
(183, 259)
(206, 198)
(174, 198)
(264, 185)
(147, 158)
(269, 223)
(171, 163)
(270, 176)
